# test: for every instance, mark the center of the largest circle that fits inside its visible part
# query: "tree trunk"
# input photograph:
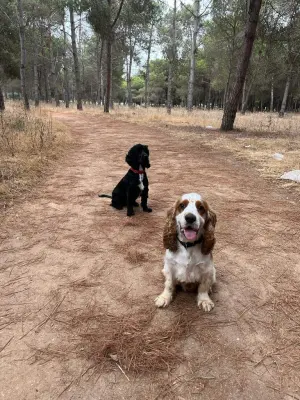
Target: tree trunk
(172, 54)
(243, 97)
(129, 68)
(65, 68)
(99, 70)
(76, 62)
(23, 55)
(52, 65)
(193, 55)
(209, 96)
(272, 95)
(2, 104)
(231, 105)
(285, 96)
(148, 68)
(35, 72)
(44, 78)
(246, 94)
(108, 74)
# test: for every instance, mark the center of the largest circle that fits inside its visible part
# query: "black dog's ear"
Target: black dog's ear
(132, 158)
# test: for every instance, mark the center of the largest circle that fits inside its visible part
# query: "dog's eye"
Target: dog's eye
(201, 209)
(182, 206)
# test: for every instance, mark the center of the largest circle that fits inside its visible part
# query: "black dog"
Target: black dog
(134, 183)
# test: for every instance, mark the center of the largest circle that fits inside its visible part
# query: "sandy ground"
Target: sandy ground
(65, 256)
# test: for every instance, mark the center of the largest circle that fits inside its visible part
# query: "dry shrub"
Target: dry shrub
(28, 141)
(132, 342)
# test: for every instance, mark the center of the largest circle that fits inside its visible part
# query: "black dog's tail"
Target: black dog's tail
(105, 195)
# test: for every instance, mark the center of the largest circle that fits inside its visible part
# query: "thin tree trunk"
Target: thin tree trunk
(109, 41)
(172, 56)
(209, 96)
(285, 96)
(108, 75)
(148, 68)
(99, 70)
(35, 71)
(111, 101)
(245, 98)
(65, 68)
(52, 66)
(76, 62)
(2, 103)
(129, 68)
(193, 55)
(231, 105)
(23, 55)
(272, 95)
(44, 72)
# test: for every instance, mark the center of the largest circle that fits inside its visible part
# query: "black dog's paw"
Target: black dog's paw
(147, 209)
(130, 213)
(135, 204)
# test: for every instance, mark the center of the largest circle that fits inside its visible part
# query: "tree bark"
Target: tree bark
(285, 96)
(272, 95)
(23, 55)
(65, 68)
(193, 55)
(2, 103)
(109, 41)
(76, 62)
(209, 96)
(232, 102)
(100, 45)
(148, 68)
(52, 65)
(35, 71)
(172, 56)
(129, 68)
(108, 74)
(246, 94)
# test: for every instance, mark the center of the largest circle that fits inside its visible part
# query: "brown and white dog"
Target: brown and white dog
(189, 240)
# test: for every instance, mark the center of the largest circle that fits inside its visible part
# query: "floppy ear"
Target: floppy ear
(209, 230)
(132, 157)
(170, 230)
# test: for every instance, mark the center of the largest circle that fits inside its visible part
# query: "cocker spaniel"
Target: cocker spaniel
(134, 183)
(189, 239)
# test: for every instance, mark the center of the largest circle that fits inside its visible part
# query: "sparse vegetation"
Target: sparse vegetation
(28, 142)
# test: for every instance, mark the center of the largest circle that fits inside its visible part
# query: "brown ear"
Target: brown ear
(170, 230)
(209, 230)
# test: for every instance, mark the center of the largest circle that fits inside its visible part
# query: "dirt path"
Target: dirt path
(69, 263)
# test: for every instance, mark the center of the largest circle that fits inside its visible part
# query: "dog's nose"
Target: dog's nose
(190, 218)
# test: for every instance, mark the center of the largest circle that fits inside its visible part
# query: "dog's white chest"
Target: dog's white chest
(141, 178)
(186, 265)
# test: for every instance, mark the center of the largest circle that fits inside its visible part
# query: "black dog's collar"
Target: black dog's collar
(137, 171)
(189, 244)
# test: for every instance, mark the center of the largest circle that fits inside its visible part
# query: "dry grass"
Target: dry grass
(257, 137)
(28, 142)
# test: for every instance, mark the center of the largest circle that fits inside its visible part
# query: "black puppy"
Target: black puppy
(134, 183)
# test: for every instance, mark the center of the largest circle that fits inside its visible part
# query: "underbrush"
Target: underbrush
(28, 142)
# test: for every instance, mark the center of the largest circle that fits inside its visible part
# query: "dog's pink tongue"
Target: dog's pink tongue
(190, 234)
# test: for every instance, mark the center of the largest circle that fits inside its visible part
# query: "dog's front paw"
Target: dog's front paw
(206, 304)
(147, 209)
(130, 213)
(163, 300)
